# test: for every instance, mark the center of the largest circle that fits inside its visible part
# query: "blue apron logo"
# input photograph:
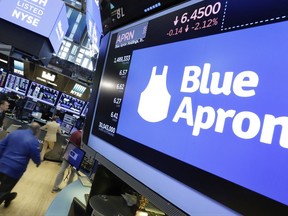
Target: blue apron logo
(155, 99)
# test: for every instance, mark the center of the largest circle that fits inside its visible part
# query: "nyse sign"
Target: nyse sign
(38, 16)
(45, 17)
(30, 12)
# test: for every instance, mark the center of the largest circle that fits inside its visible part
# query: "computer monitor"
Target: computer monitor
(17, 84)
(42, 93)
(70, 104)
(29, 105)
(74, 155)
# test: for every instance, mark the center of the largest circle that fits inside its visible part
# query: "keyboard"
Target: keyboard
(85, 181)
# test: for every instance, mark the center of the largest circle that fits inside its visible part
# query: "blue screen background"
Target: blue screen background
(248, 162)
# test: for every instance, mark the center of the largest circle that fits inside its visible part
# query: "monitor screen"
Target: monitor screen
(65, 127)
(30, 105)
(70, 104)
(68, 123)
(85, 110)
(18, 67)
(46, 18)
(74, 155)
(17, 84)
(42, 93)
(198, 93)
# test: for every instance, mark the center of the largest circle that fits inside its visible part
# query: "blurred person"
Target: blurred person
(50, 138)
(4, 106)
(75, 138)
(15, 152)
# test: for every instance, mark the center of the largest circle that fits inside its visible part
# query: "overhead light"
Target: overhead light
(41, 79)
(4, 61)
(51, 83)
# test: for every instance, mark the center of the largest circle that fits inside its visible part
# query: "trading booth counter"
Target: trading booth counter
(55, 155)
(62, 202)
(10, 123)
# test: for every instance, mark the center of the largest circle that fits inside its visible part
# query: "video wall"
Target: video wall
(11, 82)
(195, 97)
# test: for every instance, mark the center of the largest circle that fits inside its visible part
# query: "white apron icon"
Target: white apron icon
(155, 99)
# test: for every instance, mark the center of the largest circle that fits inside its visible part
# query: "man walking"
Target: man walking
(15, 152)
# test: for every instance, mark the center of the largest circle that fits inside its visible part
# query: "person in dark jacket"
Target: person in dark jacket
(15, 152)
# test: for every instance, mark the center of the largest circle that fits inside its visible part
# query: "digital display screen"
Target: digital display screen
(17, 84)
(94, 23)
(125, 11)
(70, 104)
(68, 123)
(74, 155)
(85, 110)
(43, 93)
(204, 89)
(18, 67)
(44, 17)
(30, 105)
(59, 29)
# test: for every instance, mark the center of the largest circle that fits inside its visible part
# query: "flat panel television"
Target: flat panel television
(70, 104)
(18, 67)
(195, 96)
(17, 84)
(42, 93)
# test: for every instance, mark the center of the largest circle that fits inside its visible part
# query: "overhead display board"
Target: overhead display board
(70, 104)
(17, 84)
(44, 17)
(42, 93)
(94, 23)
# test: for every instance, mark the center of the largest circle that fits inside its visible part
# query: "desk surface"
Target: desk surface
(110, 205)
(61, 204)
